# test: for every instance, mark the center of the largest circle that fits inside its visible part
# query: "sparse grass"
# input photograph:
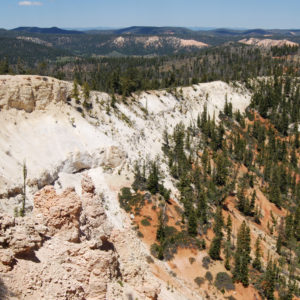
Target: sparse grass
(120, 283)
(126, 120)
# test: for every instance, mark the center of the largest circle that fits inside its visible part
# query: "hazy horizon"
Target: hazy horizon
(204, 28)
(268, 14)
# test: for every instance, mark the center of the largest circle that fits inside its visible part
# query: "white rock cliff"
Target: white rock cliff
(75, 242)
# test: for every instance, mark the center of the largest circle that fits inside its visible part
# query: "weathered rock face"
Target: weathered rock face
(133, 265)
(66, 270)
(39, 259)
(18, 237)
(69, 250)
(93, 221)
(114, 156)
(31, 92)
(268, 43)
(60, 213)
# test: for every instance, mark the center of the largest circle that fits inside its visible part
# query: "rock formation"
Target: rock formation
(75, 242)
(31, 92)
(60, 213)
(268, 43)
(40, 251)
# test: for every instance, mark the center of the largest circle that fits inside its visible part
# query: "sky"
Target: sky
(123, 13)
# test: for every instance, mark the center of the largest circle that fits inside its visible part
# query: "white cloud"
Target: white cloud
(30, 3)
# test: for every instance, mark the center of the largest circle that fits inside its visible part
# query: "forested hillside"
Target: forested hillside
(125, 75)
(241, 172)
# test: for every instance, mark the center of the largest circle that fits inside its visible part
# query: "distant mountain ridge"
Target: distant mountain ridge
(164, 30)
(134, 40)
(51, 30)
(145, 30)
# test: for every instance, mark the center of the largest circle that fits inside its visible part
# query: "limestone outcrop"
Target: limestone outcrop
(67, 250)
(93, 221)
(19, 237)
(60, 213)
(31, 92)
(75, 241)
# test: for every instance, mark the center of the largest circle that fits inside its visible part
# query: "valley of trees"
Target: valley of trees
(125, 75)
(238, 159)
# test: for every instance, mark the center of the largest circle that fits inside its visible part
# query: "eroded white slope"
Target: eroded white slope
(57, 141)
(43, 126)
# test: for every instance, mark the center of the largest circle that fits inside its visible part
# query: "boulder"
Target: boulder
(60, 212)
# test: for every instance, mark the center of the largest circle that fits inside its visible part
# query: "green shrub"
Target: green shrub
(149, 259)
(192, 260)
(230, 298)
(128, 200)
(206, 262)
(157, 251)
(174, 240)
(139, 234)
(173, 274)
(120, 283)
(125, 198)
(209, 277)
(224, 281)
(199, 281)
(145, 222)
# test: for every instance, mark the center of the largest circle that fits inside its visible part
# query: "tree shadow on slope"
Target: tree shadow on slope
(5, 294)
(3, 290)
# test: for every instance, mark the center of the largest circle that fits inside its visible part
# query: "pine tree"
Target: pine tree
(215, 248)
(219, 222)
(139, 182)
(161, 236)
(160, 233)
(113, 101)
(297, 140)
(22, 210)
(192, 223)
(241, 199)
(153, 179)
(86, 91)
(269, 281)
(227, 252)
(216, 244)
(274, 193)
(221, 169)
(244, 271)
(166, 145)
(202, 207)
(75, 92)
(229, 228)
(257, 260)
(86, 94)
(252, 202)
(242, 255)
(294, 160)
